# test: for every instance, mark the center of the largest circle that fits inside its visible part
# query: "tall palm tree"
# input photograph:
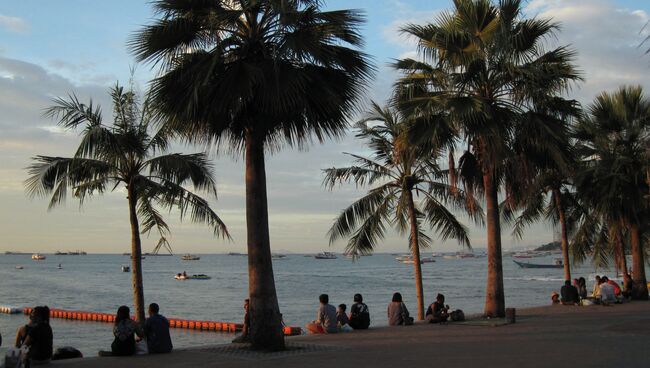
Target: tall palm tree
(254, 76)
(398, 171)
(125, 153)
(612, 141)
(486, 65)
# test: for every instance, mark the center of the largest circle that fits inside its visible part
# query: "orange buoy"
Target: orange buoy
(211, 326)
(184, 323)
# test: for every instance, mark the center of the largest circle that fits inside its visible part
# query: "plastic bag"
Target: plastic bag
(141, 348)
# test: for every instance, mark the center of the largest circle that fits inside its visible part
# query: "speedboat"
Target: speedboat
(190, 257)
(38, 257)
(325, 255)
(201, 276)
(422, 260)
(19, 267)
(126, 268)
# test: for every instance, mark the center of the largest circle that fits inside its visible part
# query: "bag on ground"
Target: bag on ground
(457, 315)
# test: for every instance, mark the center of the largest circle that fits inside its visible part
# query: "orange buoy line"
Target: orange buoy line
(173, 322)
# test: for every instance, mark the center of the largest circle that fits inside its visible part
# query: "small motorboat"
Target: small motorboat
(422, 260)
(59, 267)
(190, 257)
(278, 256)
(325, 255)
(38, 257)
(180, 276)
(126, 268)
(536, 265)
(19, 267)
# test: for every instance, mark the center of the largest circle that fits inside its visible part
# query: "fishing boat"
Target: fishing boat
(126, 268)
(190, 257)
(557, 264)
(38, 257)
(325, 255)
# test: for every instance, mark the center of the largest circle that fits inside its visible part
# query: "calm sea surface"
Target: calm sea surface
(96, 283)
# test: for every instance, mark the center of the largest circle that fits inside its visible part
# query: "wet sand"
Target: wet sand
(553, 336)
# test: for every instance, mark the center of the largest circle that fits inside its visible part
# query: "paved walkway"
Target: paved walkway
(554, 336)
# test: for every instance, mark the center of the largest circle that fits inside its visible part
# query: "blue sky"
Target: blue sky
(50, 48)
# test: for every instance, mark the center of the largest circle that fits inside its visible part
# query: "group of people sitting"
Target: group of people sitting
(34, 340)
(332, 320)
(605, 292)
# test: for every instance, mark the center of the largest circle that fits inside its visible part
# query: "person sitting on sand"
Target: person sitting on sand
(397, 312)
(245, 331)
(359, 314)
(607, 293)
(342, 319)
(325, 318)
(618, 292)
(596, 290)
(569, 294)
(438, 312)
(156, 331)
(124, 331)
(37, 336)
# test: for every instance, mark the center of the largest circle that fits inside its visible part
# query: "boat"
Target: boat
(325, 255)
(59, 267)
(19, 267)
(422, 260)
(126, 268)
(278, 256)
(190, 257)
(403, 257)
(235, 254)
(180, 276)
(38, 257)
(537, 265)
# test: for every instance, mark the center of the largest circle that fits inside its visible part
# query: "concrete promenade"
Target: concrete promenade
(553, 336)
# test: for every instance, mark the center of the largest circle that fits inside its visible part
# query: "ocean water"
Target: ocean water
(96, 283)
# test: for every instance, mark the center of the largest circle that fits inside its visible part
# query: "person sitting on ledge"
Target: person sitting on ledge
(342, 319)
(438, 312)
(124, 331)
(156, 330)
(569, 294)
(607, 291)
(245, 331)
(359, 314)
(596, 290)
(37, 336)
(582, 288)
(555, 298)
(397, 312)
(325, 318)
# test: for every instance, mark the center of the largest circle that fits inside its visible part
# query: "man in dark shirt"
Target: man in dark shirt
(156, 330)
(438, 311)
(569, 294)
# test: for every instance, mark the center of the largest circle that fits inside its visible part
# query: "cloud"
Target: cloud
(606, 38)
(14, 24)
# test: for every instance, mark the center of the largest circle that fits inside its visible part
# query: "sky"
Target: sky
(52, 48)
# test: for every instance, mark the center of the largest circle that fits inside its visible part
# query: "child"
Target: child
(342, 318)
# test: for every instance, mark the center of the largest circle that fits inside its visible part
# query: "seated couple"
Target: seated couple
(155, 332)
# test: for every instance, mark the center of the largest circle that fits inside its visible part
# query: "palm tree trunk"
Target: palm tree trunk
(495, 305)
(415, 250)
(266, 321)
(619, 251)
(640, 288)
(136, 256)
(565, 237)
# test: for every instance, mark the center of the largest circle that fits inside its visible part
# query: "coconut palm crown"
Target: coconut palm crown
(406, 192)
(612, 139)
(126, 153)
(488, 67)
(253, 76)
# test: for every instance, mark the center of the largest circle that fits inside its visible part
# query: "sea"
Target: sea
(95, 282)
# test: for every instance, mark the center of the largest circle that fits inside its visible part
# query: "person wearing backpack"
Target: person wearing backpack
(359, 314)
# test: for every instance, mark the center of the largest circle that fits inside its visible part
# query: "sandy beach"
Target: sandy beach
(552, 336)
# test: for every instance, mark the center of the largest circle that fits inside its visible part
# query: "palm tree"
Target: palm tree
(398, 170)
(612, 141)
(486, 66)
(254, 76)
(126, 153)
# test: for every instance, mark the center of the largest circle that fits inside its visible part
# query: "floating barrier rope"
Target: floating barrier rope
(173, 322)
